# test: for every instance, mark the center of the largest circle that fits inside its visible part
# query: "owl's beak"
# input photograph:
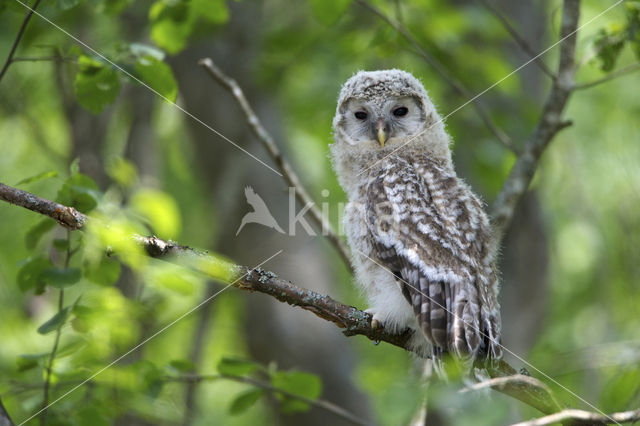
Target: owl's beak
(381, 132)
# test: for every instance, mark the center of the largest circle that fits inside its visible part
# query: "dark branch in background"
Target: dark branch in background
(272, 148)
(320, 403)
(352, 320)
(611, 76)
(524, 45)
(440, 69)
(5, 420)
(18, 37)
(549, 125)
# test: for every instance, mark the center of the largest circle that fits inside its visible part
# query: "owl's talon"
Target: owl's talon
(375, 324)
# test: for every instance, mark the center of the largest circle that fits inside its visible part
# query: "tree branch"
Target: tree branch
(549, 125)
(272, 148)
(5, 420)
(584, 418)
(440, 69)
(611, 76)
(18, 37)
(352, 320)
(524, 45)
(319, 403)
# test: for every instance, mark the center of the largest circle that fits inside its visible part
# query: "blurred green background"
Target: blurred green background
(93, 137)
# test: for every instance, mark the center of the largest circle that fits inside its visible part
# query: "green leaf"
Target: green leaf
(39, 176)
(106, 272)
(244, 401)
(55, 321)
(160, 209)
(122, 171)
(215, 11)
(96, 85)
(329, 11)
(158, 76)
(30, 273)
(61, 244)
(67, 4)
(299, 383)
(139, 50)
(79, 191)
(28, 361)
(182, 366)
(61, 277)
(171, 24)
(36, 232)
(608, 44)
(237, 366)
(81, 321)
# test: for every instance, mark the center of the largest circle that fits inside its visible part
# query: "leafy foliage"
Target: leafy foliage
(145, 169)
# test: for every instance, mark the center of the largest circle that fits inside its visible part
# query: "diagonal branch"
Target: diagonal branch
(14, 47)
(549, 125)
(352, 320)
(524, 45)
(272, 148)
(611, 76)
(440, 69)
(584, 418)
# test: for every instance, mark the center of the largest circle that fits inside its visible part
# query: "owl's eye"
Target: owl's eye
(401, 111)
(361, 115)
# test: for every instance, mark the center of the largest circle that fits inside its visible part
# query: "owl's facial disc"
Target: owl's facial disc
(382, 122)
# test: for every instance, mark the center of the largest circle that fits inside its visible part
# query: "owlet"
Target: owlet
(420, 238)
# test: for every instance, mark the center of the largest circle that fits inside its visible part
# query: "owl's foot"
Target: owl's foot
(376, 321)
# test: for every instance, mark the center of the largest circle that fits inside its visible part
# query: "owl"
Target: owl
(420, 238)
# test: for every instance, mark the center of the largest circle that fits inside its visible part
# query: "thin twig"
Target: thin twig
(352, 320)
(611, 76)
(584, 418)
(18, 37)
(440, 69)
(524, 45)
(272, 148)
(549, 125)
(52, 356)
(319, 403)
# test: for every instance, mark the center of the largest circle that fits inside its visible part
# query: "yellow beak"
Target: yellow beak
(382, 136)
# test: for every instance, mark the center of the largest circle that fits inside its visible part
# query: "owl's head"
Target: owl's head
(380, 110)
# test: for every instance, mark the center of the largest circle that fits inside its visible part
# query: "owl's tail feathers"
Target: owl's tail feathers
(438, 314)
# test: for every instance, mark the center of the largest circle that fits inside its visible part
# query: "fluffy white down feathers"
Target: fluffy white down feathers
(419, 236)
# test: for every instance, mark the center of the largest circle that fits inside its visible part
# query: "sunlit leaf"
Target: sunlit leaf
(96, 85)
(157, 75)
(299, 383)
(39, 176)
(160, 209)
(36, 232)
(171, 24)
(123, 171)
(244, 401)
(55, 321)
(61, 277)
(237, 366)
